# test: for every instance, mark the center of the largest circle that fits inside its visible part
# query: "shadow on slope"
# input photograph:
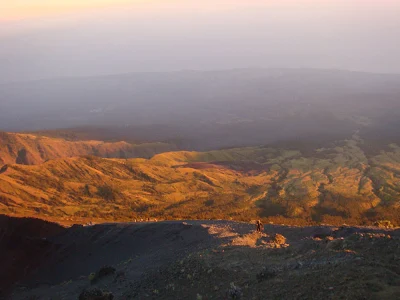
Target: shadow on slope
(23, 247)
(146, 246)
(213, 259)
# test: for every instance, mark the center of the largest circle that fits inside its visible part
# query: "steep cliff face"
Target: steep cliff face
(29, 149)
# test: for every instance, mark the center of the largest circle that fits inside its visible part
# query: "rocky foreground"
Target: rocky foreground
(200, 260)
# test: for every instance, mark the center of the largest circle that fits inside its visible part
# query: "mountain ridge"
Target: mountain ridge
(31, 149)
(337, 184)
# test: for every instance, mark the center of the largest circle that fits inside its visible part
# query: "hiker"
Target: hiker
(259, 226)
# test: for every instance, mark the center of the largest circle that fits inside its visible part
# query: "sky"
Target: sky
(23, 9)
(62, 38)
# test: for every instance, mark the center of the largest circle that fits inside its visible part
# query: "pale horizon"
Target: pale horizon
(47, 39)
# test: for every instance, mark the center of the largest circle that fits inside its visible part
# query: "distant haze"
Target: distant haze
(45, 39)
(210, 109)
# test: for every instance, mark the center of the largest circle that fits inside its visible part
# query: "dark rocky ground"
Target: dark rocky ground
(210, 260)
(23, 247)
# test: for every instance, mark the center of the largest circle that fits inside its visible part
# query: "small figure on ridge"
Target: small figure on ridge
(259, 226)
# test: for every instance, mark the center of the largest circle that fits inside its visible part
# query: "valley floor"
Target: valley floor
(216, 260)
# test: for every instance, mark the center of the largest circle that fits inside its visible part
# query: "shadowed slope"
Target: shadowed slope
(23, 247)
(201, 259)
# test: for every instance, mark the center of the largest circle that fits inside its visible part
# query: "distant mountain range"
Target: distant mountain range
(293, 146)
(343, 182)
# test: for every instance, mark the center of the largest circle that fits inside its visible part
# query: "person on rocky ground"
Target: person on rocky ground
(259, 226)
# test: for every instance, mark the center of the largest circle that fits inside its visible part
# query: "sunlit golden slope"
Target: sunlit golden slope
(335, 185)
(31, 149)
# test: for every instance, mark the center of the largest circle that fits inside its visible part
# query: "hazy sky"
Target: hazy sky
(54, 38)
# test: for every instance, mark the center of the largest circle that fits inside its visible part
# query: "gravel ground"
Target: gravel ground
(217, 260)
